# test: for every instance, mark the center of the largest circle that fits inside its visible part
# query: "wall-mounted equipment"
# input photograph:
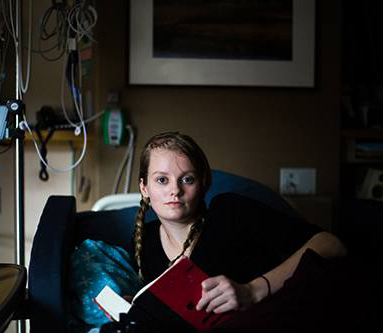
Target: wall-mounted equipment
(113, 127)
(8, 112)
(3, 120)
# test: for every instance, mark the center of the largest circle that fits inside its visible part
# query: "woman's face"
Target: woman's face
(172, 186)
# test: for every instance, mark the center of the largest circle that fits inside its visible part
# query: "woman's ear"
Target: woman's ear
(143, 189)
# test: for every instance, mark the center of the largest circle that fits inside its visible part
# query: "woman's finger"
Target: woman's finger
(229, 305)
(222, 303)
(207, 297)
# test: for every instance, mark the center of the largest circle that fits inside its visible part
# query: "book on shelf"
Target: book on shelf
(168, 301)
(369, 146)
(364, 151)
(369, 149)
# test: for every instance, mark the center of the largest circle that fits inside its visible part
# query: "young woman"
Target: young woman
(248, 249)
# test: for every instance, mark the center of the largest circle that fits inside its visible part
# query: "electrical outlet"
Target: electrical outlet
(297, 181)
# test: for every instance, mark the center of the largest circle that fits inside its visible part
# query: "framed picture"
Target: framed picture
(222, 43)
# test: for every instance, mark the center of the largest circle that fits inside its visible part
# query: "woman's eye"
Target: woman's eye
(188, 180)
(162, 180)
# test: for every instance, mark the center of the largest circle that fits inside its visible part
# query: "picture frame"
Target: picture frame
(268, 71)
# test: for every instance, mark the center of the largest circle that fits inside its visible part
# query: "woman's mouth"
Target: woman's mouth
(173, 203)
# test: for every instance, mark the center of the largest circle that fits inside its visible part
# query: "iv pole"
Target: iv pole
(19, 160)
(19, 166)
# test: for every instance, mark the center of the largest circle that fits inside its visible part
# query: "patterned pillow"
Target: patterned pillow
(93, 265)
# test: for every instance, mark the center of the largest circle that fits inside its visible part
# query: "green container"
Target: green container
(114, 127)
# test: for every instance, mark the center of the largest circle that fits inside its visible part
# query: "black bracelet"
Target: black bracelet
(268, 285)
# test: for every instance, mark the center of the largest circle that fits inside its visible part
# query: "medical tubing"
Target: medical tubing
(81, 19)
(19, 52)
(18, 47)
(129, 151)
(130, 160)
(63, 93)
(59, 170)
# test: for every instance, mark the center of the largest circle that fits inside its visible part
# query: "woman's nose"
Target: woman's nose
(176, 189)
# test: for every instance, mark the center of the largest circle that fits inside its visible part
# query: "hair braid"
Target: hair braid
(193, 234)
(138, 232)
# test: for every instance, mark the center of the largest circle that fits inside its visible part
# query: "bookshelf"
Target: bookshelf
(361, 151)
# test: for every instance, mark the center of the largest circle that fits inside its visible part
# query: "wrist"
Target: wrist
(260, 289)
(268, 285)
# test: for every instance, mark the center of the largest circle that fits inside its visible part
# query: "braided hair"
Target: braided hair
(185, 145)
(193, 234)
(138, 232)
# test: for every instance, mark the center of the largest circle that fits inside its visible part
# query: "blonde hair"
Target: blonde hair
(185, 145)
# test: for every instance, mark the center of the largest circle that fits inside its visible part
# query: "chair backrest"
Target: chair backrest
(223, 181)
(117, 201)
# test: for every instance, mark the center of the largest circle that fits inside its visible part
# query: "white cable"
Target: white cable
(130, 160)
(65, 59)
(82, 20)
(12, 23)
(19, 53)
(120, 170)
(79, 110)
(97, 115)
(129, 152)
(54, 169)
(75, 93)
(87, 120)
(129, 171)
(81, 28)
(78, 127)
(18, 48)
(15, 39)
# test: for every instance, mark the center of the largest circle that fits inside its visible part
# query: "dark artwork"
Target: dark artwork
(363, 42)
(362, 63)
(219, 29)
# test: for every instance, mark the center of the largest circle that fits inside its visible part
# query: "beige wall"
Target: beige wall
(249, 131)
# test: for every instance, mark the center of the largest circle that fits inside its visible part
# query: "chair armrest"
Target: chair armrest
(23, 310)
(52, 245)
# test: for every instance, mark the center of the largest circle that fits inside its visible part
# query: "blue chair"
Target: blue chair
(61, 228)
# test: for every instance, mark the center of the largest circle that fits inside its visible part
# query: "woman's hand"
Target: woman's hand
(220, 294)
(128, 298)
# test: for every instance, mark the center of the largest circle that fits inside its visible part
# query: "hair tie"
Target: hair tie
(268, 285)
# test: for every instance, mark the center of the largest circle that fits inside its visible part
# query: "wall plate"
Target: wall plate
(297, 181)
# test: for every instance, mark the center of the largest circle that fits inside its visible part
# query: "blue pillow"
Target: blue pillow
(93, 265)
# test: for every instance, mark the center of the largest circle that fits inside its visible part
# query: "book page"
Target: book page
(112, 303)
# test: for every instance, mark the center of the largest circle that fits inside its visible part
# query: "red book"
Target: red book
(170, 300)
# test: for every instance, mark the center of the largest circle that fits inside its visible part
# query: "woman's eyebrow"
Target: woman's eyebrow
(160, 172)
(189, 172)
(167, 173)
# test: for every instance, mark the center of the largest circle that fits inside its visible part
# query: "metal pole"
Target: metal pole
(19, 159)
(19, 167)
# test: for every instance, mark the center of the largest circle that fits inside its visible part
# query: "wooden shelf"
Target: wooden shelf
(63, 137)
(363, 133)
